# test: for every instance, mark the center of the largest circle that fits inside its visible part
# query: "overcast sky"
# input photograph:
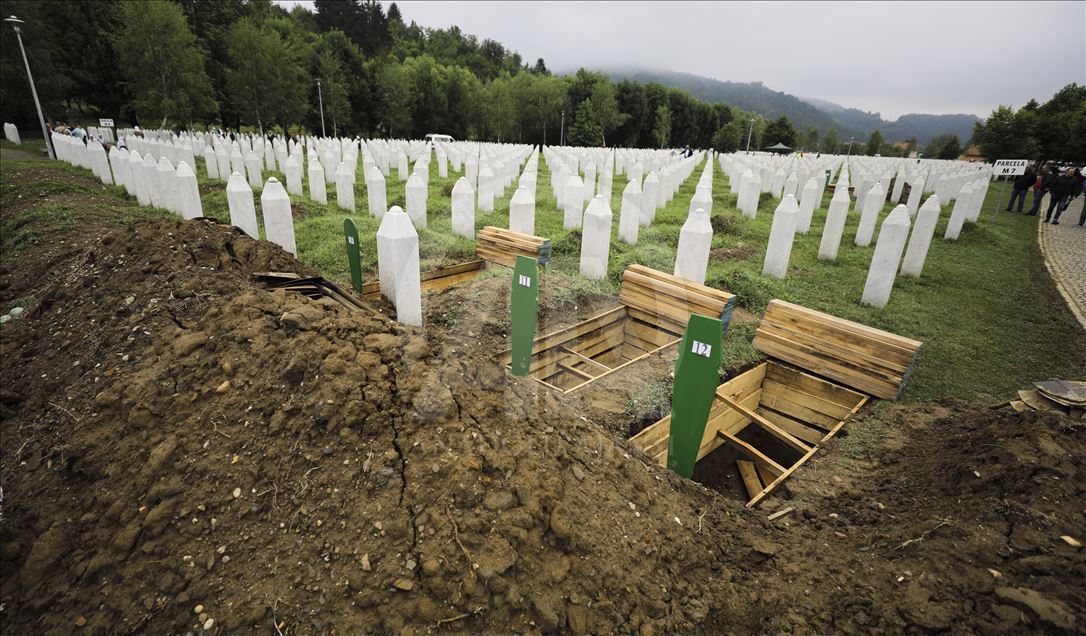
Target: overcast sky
(888, 57)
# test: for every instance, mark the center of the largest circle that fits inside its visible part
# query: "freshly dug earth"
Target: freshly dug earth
(183, 451)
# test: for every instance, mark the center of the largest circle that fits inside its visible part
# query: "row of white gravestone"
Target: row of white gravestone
(275, 208)
(11, 133)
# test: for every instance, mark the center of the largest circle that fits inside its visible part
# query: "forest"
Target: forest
(254, 65)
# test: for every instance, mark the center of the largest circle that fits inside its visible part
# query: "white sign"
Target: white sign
(105, 123)
(350, 240)
(1008, 167)
(525, 281)
(701, 349)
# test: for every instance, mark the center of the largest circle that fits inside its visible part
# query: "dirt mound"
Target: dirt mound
(181, 450)
(175, 440)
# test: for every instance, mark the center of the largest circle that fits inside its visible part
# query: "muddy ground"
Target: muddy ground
(182, 450)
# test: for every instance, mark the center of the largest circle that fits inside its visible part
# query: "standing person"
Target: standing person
(1040, 188)
(1062, 188)
(1022, 184)
(1082, 215)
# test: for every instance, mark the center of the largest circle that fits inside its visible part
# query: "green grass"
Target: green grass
(985, 308)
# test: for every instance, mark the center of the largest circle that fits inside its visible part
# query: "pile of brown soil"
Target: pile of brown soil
(174, 438)
(182, 450)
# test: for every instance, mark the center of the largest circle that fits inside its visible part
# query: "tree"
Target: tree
(334, 90)
(729, 137)
(396, 94)
(586, 129)
(540, 67)
(661, 127)
(265, 80)
(606, 108)
(164, 64)
(998, 137)
(952, 149)
(831, 143)
(780, 131)
(874, 143)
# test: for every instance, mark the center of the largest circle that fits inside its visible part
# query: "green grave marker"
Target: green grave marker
(697, 373)
(523, 307)
(353, 257)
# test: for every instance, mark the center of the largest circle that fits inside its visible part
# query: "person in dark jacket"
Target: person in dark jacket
(1022, 184)
(1040, 189)
(1060, 192)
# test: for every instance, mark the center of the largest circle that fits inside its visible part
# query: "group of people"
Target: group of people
(1062, 185)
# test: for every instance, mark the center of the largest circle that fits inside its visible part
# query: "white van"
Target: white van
(435, 138)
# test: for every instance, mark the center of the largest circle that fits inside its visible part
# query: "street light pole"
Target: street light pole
(850, 140)
(749, 133)
(562, 130)
(15, 22)
(321, 98)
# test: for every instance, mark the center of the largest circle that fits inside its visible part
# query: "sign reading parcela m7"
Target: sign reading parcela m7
(1008, 167)
(105, 123)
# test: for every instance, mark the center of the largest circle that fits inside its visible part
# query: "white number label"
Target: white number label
(701, 349)
(525, 281)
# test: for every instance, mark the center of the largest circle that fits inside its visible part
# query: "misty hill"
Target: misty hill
(805, 112)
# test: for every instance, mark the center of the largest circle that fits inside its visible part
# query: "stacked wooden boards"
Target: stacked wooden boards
(656, 307)
(435, 279)
(874, 361)
(502, 246)
(777, 415)
(493, 245)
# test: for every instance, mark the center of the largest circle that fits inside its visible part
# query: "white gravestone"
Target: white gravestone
(869, 217)
(961, 210)
(630, 216)
(885, 259)
(278, 218)
(695, 240)
(596, 239)
(920, 240)
(345, 186)
(188, 192)
(809, 200)
(398, 266)
(375, 193)
(781, 234)
(835, 223)
(522, 211)
(317, 189)
(416, 200)
(239, 198)
(463, 209)
(650, 194)
(292, 168)
(573, 204)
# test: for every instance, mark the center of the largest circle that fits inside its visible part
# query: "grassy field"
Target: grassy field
(985, 308)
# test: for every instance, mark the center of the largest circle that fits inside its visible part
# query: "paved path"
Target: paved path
(1064, 249)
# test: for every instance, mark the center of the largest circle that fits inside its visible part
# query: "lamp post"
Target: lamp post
(562, 130)
(321, 98)
(15, 25)
(850, 140)
(749, 133)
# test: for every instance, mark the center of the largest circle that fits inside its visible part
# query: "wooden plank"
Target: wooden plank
(671, 279)
(575, 371)
(794, 467)
(793, 377)
(769, 427)
(713, 306)
(891, 353)
(749, 475)
(647, 332)
(830, 345)
(619, 367)
(564, 335)
(890, 339)
(832, 369)
(739, 387)
(750, 451)
(666, 326)
(782, 404)
(766, 474)
(775, 389)
(799, 429)
(584, 359)
(588, 345)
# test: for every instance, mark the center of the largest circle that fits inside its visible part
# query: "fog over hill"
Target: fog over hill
(805, 112)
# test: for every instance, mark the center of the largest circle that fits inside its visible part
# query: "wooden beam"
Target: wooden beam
(770, 427)
(577, 372)
(749, 476)
(750, 451)
(590, 361)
